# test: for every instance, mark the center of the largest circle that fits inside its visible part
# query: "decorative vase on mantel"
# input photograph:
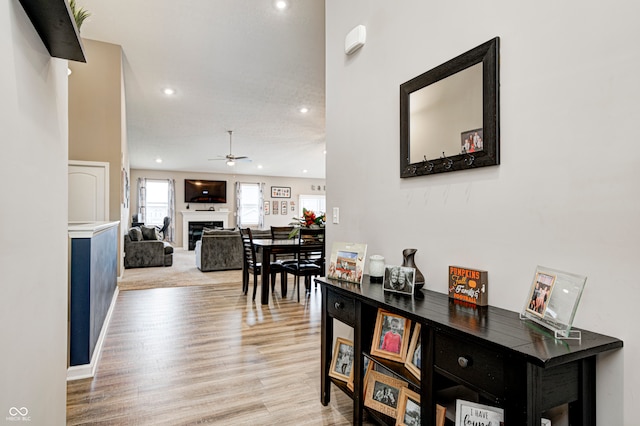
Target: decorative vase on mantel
(409, 261)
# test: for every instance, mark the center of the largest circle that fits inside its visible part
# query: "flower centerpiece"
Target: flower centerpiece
(307, 220)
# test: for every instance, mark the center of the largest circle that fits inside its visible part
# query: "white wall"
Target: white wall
(298, 186)
(565, 195)
(33, 240)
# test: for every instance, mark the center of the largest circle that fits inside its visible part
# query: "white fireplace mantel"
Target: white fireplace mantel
(201, 216)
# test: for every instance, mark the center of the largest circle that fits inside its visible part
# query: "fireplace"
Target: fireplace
(202, 219)
(195, 230)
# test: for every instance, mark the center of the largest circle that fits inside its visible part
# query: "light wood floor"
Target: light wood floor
(208, 355)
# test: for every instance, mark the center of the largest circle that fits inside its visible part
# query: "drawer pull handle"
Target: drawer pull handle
(464, 362)
(338, 305)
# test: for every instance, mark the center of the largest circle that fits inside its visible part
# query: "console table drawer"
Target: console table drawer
(474, 364)
(341, 308)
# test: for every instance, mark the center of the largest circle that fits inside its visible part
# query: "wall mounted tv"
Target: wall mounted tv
(205, 191)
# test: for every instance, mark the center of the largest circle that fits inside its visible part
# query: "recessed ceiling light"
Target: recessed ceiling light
(158, 160)
(304, 171)
(282, 4)
(304, 110)
(324, 152)
(259, 166)
(169, 91)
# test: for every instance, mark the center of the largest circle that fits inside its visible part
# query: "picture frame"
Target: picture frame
(468, 412)
(367, 366)
(280, 192)
(283, 208)
(346, 262)
(399, 279)
(267, 207)
(391, 336)
(275, 205)
(540, 293)
(556, 305)
(408, 408)
(342, 361)
(413, 362)
(471, 141)
(382, 393)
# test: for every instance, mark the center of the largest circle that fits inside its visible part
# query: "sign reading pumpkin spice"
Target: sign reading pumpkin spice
(468, 285)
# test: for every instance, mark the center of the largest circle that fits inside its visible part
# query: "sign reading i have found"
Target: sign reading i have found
(468, 285)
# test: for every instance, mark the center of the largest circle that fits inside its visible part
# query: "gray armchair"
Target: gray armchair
(140, 252)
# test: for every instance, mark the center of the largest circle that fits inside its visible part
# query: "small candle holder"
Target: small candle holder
(376, 268)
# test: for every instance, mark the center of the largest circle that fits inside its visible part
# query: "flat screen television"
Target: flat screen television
(205, 191)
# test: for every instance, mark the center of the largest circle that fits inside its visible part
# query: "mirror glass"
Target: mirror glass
(449, 115)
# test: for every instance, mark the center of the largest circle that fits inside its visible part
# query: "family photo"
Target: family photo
(399, 279)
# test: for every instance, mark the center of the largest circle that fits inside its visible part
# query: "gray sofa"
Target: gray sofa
(141, 251)
(221, 249)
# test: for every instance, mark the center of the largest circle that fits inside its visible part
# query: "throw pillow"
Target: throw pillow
(149, 232)
(135, 234)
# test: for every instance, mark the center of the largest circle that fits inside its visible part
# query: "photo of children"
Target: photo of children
(540, 294)
(471, 141)
(391, 338)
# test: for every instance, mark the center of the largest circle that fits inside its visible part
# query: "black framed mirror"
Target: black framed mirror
(450, 115)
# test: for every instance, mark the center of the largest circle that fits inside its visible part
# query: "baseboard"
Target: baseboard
(84, 371)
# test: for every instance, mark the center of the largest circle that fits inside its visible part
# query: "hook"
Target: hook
(428, 165)
(448, 161)
(469, 160)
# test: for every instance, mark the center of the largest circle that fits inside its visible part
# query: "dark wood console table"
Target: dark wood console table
(508, 362)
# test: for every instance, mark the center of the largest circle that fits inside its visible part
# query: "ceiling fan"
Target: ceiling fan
(230, 158)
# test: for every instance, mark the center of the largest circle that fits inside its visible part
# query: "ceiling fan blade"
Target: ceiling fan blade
(241, 158)
(217, 159)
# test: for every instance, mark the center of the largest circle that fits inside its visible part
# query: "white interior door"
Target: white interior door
(88, 191)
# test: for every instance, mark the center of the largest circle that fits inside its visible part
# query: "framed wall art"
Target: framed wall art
(267, 207)
(552, 300)
(342, 361)
(275, 206)
(283, 207)
(391, 336)
(280, 192)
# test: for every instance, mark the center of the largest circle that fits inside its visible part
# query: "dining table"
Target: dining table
(267, 247)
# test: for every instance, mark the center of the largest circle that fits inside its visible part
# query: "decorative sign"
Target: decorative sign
(469, 285)
(280, 192)
(469, 413)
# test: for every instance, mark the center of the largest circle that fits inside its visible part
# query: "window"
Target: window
(315, 203)
(249, 204)
(157, 201)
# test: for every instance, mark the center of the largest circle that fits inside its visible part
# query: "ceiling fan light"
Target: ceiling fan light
(230, 162)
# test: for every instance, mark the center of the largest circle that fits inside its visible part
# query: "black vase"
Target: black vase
(409, 261)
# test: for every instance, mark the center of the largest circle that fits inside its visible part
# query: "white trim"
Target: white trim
(85, 371)
(201, 216)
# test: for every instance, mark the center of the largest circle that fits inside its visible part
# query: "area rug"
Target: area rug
(182, 273)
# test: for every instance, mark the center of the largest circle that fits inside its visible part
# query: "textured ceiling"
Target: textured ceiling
(239, 65)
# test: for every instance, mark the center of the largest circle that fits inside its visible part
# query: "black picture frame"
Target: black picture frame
(280, 192)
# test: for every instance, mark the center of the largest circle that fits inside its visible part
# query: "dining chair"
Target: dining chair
(252, 266)
(282, 233)
(310, 258)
